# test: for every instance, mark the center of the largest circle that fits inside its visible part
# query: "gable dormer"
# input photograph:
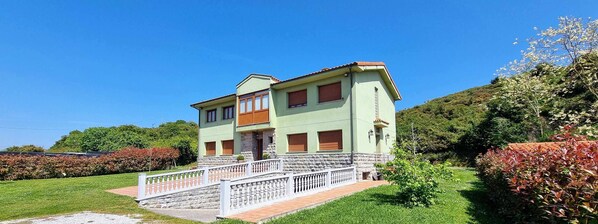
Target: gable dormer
(255, 82)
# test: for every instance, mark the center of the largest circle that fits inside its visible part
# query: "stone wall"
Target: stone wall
(201, 198)
(301, 163)
(364, 162)
(216, 160)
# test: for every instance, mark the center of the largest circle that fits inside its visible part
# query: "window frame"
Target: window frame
(215, 113)
(340, 89)
(296, 105)
(232, 111)
(289, 143)
(206, 146)
(329, 131)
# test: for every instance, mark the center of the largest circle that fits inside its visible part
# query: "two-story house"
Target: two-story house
(330, 118)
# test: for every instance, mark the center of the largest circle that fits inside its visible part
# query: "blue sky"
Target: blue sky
(68, 65)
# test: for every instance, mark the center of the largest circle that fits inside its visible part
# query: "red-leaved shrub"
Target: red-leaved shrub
(544, 185)
(19, 167)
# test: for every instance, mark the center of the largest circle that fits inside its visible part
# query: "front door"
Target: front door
(260, 148)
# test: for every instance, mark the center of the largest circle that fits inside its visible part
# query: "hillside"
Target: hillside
(440, 123)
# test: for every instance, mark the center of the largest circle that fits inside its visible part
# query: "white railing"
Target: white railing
(245, 195)
(168, 183)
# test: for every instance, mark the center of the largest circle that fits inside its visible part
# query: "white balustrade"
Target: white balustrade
(168, 183)
(244, 195)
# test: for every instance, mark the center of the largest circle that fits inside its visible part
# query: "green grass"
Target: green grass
(38, 198)
(464, 201)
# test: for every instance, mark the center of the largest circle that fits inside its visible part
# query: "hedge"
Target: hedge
(548, 186)
(20, 167)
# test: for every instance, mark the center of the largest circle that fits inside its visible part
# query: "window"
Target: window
(249, 105)
(329, 92)
(242, 104)
(297, 142)
(211, 115)
(376, 104)
(228, 112)
(270, 139)
(228, 147)
(258, 105)
(330, 140)
(265, 103)
(297, 98)
(210, 148)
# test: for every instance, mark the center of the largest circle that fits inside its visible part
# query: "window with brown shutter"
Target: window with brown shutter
(228, 147)
(297, 142)
(297, 98)
(329, 92)
(210, 148)
(330, 140)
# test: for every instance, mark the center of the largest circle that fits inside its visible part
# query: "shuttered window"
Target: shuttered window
(210, 148)
(228, 147)
(297, 142)
(297, 98)
(329, 92)
(330, 140)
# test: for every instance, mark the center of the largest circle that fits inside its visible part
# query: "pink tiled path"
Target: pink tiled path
(126, 191)
(286, 207)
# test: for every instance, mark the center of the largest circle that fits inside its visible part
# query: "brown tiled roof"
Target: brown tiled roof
(544, 145)
(362, 63)
(358, 63)
(380, 120)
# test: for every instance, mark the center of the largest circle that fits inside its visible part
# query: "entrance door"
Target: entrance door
(260, 149)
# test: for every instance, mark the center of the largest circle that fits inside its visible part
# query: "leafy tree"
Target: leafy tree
(92, 139)
(25, 148)
(417, 179)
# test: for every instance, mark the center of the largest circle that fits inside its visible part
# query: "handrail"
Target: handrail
(240, 196)
(168, 183)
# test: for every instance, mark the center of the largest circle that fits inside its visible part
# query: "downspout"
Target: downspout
(351, 114)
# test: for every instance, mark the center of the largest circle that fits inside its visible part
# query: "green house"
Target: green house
(331, 118)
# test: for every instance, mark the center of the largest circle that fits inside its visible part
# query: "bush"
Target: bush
(555, 185)
(19, 167)
(266, 156)
(417, 178)
(240, 157)
(25, 148)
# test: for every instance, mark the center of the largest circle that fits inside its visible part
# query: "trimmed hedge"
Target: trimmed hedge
(20, 167)
(549, 186)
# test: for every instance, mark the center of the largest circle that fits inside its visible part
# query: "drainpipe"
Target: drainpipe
(351, 113)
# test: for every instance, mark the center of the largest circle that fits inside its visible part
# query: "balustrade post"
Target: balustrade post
(291, 185)
(249, 169)
(280, 165)
(328, 179)
(205, 177)
(224, 197)
(141, 185)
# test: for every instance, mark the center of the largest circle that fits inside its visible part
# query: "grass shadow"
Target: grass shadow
(480, 207)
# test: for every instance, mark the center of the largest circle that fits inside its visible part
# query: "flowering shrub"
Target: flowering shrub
(417, 178)
(19, 167)
(554, 185)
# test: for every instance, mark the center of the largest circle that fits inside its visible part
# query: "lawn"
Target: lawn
(35, 198)
(464, 201)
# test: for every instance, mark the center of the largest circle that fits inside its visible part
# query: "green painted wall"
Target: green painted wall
(314, 117)
(365, 84)
(217, 131)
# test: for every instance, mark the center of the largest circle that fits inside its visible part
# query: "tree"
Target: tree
(25, 148)
(527, 93)
(562, 46)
